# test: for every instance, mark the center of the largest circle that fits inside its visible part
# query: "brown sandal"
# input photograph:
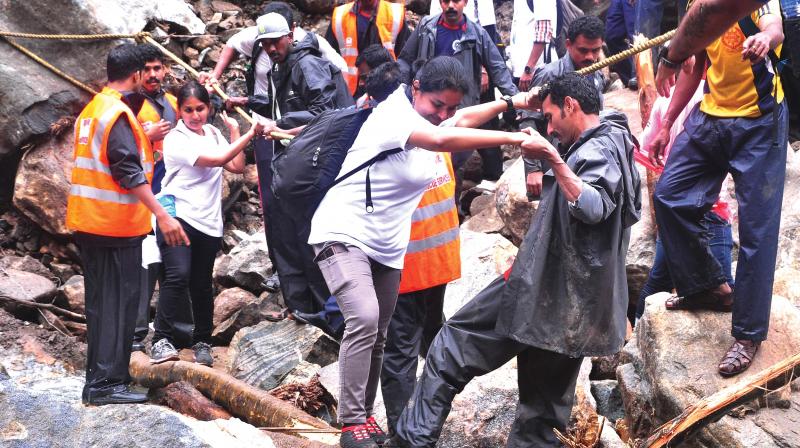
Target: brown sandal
(706, 300)
(738, 358)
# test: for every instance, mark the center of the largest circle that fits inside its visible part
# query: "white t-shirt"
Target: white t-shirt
(397, 185)
(245, 40)
(523, 29)
(197, 189)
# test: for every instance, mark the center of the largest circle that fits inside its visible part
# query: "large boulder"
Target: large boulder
(673, 364)
(247, 265)
(228, 302)
(253, 311)
(26, 263)
(512, 201)
(25, 287)
(642, 246)
(264, 354)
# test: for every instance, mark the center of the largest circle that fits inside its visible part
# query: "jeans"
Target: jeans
(619, 35)
(720, 241)
(186, 289)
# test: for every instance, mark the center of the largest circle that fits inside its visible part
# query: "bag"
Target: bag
(309, 166)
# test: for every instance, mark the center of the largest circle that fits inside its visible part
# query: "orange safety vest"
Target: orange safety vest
(149, 113)
(96, 203)
(389, 20)
(433, 257)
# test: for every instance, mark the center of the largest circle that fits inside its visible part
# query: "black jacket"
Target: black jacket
(477, 49)
(306, 85)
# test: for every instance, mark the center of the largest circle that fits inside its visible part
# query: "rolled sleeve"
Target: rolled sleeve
(123, 156)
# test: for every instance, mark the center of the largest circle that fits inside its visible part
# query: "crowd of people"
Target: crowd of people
(370, 262)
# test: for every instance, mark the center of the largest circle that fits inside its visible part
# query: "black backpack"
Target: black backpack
(308, 167)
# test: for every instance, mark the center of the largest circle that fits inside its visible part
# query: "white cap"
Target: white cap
(272, 26)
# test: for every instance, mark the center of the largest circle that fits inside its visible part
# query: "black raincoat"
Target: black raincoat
(567, 291)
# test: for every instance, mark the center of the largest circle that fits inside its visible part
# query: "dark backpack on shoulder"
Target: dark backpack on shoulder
(309, 166)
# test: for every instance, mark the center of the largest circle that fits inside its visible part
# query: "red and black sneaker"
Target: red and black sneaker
(356, 436)
(375, 431)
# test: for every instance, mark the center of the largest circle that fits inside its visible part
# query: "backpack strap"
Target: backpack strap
(369, 205)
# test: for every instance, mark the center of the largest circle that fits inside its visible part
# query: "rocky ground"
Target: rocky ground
(667, 365)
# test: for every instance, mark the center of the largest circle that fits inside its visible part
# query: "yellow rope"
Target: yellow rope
(656, 41)
(137, 36)
(52, 68)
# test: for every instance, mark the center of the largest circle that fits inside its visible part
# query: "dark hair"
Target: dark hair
(151, 53)
(383, 80)
(193, 89)
(589, 27)
(374, 55)
(443, 73)
(123, 61)
(574, 86)
(281, 8)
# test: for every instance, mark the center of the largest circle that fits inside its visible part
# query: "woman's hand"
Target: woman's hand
(258, 127)
(230, 122)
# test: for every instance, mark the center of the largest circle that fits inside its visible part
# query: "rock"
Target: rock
(481, 203)
(251, 177)
(264, 354)
(200, 43)
(223, 7)
(34, 97)
(609, 400)
(787, 284)
(24, 286)
(73, 290)
(675, 362)
(609, 437)
(605, 367)
(26, 263)
(642, 247)
(247, 265)
(42, 184)
(512, 202)
(637, 400)
(483, 258)
(248, 315)
(229, 302)
(487, 221)
(303, 372)
(231, 188)
(62, 270)
(315, 6)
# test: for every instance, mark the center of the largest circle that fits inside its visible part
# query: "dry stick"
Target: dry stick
(44, 306)
(300, 431)
(714, 407)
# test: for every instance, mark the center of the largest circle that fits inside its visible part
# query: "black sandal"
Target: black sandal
(738, 358)
(706, 300)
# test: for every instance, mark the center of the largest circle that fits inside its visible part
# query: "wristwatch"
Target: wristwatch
(662, 59)
(527, 70)
(510, 103)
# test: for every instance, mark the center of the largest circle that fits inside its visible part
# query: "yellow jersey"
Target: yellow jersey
(735, 87)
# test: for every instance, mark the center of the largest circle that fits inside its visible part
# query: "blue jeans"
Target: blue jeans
(753, 150)
(720, 241)
(620, 22)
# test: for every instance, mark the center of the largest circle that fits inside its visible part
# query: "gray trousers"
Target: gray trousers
(366, 292)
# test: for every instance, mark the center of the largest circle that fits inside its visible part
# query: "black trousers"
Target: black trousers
(112, 278)
(468, 346)
(416, 320)
(186, 289)
(149, 279)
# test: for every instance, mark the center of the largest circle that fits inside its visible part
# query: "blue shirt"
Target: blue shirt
(448, 39)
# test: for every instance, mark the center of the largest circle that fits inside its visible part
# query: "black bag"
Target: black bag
(309, 166)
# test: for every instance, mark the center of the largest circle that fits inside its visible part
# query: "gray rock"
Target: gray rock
(485, 221)
(642, 246)
(26, 263)
(247, 265)
(609, 437)
(512, 201)
(62, 270)
(252, 312)
(24, 286)
(609, 399)
(264, 354)
(74, 291)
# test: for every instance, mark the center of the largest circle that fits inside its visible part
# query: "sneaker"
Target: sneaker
(273, 283)
(375, 431)
(356, 436)
(137, 347)
(163, 351)
(202, 354)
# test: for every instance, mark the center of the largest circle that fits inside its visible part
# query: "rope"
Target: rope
(654, 42)
(137, 36)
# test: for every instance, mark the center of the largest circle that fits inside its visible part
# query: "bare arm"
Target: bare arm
(453, 139)
(536, 53)
(757, 47)
(227, 55)
(474, 116)
(537, 147)
(228, 159)
(170, 227)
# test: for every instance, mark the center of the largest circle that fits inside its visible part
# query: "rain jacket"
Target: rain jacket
(477, 49)
(306, 85)
(567, 291)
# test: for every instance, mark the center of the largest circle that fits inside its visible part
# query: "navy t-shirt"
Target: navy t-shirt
(448, 38)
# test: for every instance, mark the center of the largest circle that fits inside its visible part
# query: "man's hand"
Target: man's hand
(756, 47)
(207, 79)
(536, 146)
(157, 131)
(484, 81)
(656, 148)
(665, 77)
(525, 81)
(172, 231)
(533, 183)
(527, 100)
(230, 122)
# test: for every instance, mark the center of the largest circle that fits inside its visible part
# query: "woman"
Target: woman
(194, 155)
(360, 244)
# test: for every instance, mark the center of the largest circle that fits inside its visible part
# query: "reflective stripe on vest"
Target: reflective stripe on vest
(96, 203)
(433, 256)
(389, 21)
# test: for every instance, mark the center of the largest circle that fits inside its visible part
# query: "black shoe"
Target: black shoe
(202, 354)
(273, 283)
(121, 395)
(395, 442)
(375, 431)
(356, 436)
(316, 320)
(137, 347)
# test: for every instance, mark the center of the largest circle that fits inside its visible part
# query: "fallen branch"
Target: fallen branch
(714, 407)
(45, 306)
(182, 397)
(247, 402)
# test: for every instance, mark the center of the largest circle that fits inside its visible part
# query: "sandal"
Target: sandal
(705, 300)
(738, 358)
(278, 316)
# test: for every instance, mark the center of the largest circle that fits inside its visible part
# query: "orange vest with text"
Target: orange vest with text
(433, 257)
(149, 113)
(389, 21)
(96, 203)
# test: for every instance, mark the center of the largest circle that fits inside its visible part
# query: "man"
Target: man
(357, 25)
(566, 294)
(302, 85)
(244, 42)
(739, 128)
(533, 30)
(372, 57)
(704, 22)
(109, 208)
(584, 45)
(158, 115)
(451, 33)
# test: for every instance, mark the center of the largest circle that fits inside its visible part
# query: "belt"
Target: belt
(331, 250)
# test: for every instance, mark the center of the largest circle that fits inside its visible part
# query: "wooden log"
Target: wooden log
(45, 306)
(249, 403)
(76, 328)
(714, 407)
(182, 397)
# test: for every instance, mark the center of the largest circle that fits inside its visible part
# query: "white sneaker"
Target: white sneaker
(163, 351)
